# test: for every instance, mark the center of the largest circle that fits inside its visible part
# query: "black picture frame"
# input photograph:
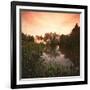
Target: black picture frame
(14, 5)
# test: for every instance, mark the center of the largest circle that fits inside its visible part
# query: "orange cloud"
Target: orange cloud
(38, 23)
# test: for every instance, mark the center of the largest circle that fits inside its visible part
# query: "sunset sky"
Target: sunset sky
(39, 23)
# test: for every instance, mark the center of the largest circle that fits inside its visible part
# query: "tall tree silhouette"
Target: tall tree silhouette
(70, 46)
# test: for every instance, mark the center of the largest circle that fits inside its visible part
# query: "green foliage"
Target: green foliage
(31, 53)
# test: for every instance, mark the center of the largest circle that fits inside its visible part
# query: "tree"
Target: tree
(51, 40)
(70, 46)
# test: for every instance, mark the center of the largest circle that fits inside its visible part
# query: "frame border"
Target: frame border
(13, 44)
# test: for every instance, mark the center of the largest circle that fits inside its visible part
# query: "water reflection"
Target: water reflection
(59, 58)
